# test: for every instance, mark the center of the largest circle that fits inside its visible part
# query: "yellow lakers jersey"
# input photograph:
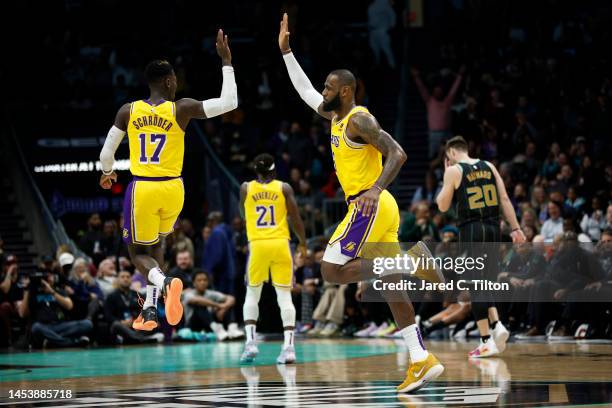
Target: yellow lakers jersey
(358, 166)
(157, 142)
(265, 211)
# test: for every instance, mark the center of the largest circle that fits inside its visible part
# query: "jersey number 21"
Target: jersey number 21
(265, 217)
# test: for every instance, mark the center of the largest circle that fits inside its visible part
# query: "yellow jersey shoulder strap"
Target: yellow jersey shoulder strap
(351, 144)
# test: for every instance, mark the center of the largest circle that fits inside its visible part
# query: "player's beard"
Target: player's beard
(333, 104)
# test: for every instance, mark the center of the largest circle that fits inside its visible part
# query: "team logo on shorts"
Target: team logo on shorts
(125, 233)
(350, 247)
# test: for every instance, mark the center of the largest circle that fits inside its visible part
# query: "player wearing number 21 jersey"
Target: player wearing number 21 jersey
(154, 198)
(266, 203)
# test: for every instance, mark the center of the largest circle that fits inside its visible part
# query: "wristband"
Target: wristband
(378, 187)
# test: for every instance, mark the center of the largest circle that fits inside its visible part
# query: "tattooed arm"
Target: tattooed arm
(363, 128)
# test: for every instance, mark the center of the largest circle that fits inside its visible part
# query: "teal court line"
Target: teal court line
(167, 359)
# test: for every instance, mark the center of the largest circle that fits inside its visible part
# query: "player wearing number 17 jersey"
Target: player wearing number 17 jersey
(154, 199)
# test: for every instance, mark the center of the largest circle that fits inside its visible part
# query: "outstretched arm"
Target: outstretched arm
(188, 108)
(420, 85)
(453, 91)
(111, 144)
(300, 81)
(363, 126)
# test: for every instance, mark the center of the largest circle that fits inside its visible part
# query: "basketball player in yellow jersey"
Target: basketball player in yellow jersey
(153, 200)
(358, 144)
(265, 203)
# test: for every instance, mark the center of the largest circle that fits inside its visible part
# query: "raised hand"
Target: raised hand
(223, 48)
(283, 35)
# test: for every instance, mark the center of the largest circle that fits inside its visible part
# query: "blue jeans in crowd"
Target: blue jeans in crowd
(61, 333)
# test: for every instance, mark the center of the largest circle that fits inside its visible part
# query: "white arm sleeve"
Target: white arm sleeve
(301, 83)
(111, 144)
(228, 100)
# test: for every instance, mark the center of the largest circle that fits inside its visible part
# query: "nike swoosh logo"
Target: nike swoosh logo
(418, 374)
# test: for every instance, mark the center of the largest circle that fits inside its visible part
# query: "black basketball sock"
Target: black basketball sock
(486, 338)
(493, 324)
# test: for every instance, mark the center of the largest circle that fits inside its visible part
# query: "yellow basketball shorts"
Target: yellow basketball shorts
(151, 208)
(355, 230)
(270, 258)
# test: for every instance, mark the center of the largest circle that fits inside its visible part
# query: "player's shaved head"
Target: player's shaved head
(345, 78)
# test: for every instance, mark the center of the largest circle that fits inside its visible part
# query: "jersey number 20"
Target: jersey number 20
(477, 193)
(159, 140)
(262, 211)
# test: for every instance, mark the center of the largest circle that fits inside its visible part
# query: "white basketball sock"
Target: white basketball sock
(156, 276)
(414, 342)
(152, 294)
(250, 332)
(289, 337)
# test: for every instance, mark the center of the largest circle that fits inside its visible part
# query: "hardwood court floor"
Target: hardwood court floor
(329, 373)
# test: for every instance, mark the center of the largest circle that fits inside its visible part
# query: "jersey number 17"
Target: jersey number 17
(158, 139)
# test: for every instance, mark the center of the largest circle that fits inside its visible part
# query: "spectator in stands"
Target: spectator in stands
(91, 242)
(86, 293)
(121, 308)
(523, 266)
(570, 269)
(551, 167)
(329, 313)
(594, 222)
(438, 109)
(47, 305)
(609, 217)
(539, 202)
(428, 191)
(219, 254)
(107, 273)
(312, 283)
(553, 226)
(201, 243)
(574, 200)
(180, 240)
(524, 132)
(111, 242)
(570, 224)
(210, 310)
(381, 19)
(184, 268)
(9, 295)
(418, 226)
